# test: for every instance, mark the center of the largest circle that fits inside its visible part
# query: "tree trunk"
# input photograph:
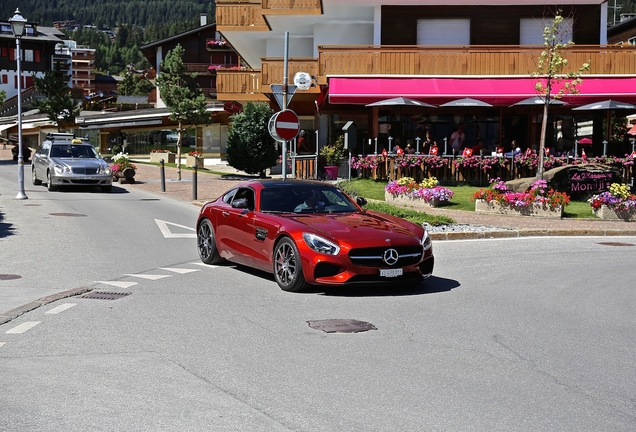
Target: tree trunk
(544, 126)
(179, 140)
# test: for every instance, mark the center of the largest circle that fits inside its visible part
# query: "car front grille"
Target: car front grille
(84, 171)
(373, 257)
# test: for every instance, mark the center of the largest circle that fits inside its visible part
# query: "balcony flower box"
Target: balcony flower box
(155, 157)
(541, 210)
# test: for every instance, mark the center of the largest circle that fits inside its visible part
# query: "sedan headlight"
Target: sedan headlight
(105, 170)
(61, 169)
(321, 244)
(426, 241)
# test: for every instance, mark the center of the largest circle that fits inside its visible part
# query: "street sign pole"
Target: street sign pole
(284, 107)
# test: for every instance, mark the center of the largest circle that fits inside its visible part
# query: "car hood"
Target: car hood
(360, 226)
(79, 162)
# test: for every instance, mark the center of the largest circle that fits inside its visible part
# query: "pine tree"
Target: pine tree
(184, 100)
(58, 103)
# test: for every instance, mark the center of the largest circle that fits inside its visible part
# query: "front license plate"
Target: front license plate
(391, 272)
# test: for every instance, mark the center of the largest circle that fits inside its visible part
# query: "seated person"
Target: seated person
(313, 202)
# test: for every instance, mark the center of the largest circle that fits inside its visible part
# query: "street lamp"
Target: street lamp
(18, 22)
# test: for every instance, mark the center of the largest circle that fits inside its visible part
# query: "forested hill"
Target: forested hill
(110, 13)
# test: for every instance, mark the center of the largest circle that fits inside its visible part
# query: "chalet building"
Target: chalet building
(365, 51)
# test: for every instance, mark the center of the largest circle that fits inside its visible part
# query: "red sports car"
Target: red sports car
(311, 233)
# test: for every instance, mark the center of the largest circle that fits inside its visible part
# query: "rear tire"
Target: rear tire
(206, 244)
(288, 270)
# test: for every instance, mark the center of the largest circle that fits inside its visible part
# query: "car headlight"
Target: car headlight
(61, 169)
(321, 244)
(426, 241)
(106, 170)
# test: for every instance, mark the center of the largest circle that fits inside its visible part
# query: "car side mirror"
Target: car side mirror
(240, 203)
(361, 201)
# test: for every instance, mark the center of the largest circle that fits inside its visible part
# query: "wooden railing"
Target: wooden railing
(466, 60)
(246, 16)
(273, 71)
(292, 7)
(239, 85)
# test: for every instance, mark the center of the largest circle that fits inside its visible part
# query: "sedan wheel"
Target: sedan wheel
(49, 183)
(206, 243)
(34, 177)
(288, 271)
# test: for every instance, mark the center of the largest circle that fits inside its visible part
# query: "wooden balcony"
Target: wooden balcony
(467, 60)
(432, 61)
(291, 7)
(240, 16)
(239, 85)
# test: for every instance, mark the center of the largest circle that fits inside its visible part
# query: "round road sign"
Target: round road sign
(284, 125)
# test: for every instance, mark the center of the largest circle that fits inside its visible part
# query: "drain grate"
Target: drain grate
(68, 214)
(9, 276)
(103, 295)
(341, 326)
(616, 244)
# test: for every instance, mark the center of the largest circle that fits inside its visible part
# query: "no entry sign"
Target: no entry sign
(284, 125)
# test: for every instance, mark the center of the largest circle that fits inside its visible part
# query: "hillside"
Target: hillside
(110, 13)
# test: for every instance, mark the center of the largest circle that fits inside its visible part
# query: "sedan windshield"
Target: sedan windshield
(305, 199)
(73, 151)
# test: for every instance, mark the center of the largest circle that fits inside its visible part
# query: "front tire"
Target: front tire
(49, 183)
(288, 270)
(206, 244)
(34, 178)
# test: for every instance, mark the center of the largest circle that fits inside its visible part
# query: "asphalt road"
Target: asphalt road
(523, 334)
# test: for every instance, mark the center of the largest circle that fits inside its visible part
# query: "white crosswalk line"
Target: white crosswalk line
(179, 270)
(118, 284)
(61, 308)
(24, 327)
(205, 265)
(149, 276)
(2, 343)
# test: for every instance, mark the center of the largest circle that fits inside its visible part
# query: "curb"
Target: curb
(14, 313)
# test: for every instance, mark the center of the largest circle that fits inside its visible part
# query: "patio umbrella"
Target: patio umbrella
(401, 102)
(632, 131)
(466, 102)
(609, 106)
(537, 100)
(585, 141)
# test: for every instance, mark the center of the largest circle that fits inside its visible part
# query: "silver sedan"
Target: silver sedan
(70, 164)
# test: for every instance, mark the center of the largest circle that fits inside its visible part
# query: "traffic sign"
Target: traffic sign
(277, 91)
(284, 125)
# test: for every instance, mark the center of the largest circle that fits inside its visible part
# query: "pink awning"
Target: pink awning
(496, 91)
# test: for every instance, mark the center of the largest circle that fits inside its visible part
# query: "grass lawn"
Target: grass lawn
(462, 198)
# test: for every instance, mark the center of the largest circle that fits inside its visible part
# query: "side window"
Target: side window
(248, 194)
(227, 198)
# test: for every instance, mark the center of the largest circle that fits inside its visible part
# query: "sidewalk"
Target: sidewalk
(211, 186)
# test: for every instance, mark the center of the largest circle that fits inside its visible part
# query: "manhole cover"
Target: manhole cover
(615, 244)
(9, 276)
(102, 295)
(68, 214)
(341, 326)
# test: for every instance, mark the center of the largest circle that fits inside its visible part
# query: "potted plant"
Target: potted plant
(123, 170)
(333, 154)
(618, 203)
(194, 158)
(408, 192)
(166, 155)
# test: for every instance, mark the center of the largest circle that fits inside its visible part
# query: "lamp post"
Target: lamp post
(18, 23)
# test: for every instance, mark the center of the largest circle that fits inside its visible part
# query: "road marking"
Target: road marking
(118, 284)
(2, 343)
(61, 308)
(205, 265)
(149, 276)
(167, 233)
(179, 270)
(26, 326)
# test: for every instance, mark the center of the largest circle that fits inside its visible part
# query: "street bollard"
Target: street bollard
(194, 182)
(162, 174)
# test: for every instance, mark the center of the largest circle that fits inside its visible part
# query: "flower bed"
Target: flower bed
(537, 201)
(406, 191)
(618, 203)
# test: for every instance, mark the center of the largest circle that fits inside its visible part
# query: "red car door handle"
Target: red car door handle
(225, 213)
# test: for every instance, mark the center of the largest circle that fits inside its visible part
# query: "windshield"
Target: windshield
(73, 151)
(305, 199)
